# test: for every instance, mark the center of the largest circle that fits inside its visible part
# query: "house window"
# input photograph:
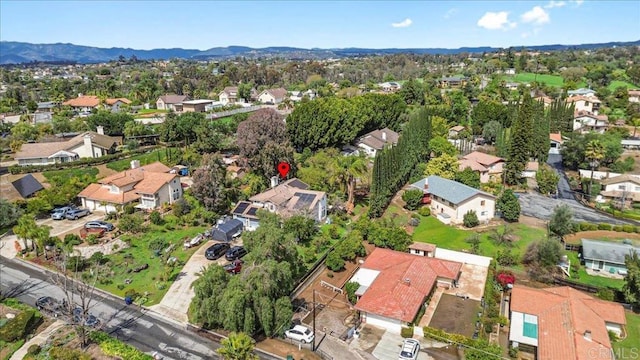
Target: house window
(483, 213)
(622, 187)
(482, 203)
(637, 188)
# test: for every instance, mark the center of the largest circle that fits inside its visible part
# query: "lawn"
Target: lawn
(151, 111)
(617, 83)
(431, 230)
(71, 173)
(629, 347)
(145, 159)
(139, 254)
(584, 278)
(549, 80)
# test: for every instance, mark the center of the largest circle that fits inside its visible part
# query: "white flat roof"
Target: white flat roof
(365, 277)
(197, 102)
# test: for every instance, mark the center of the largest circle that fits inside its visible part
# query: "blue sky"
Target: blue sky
(323, 24)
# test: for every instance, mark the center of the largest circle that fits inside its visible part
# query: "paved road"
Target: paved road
(137, 327)
(541, 207)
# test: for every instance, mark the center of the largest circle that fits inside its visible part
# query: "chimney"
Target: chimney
(587, 335)
(274, 181)
(100, 130)
(79, 94)
(135, 164)
(384, 135)
(87, 143)
(407, 281)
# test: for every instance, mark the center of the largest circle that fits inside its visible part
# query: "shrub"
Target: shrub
(63, 353)
(72, 239)
(605, 294)
(334, 261)
(18, 327)
(505, 277)
(34, 349)
(603, 226)
(628, 228)
(406, 332)
(506, 258)
(92, 239)
(470, 219)
(333, 232)
(76, 263)
(131, 223)
(617, 228)
(424, 211)
(412, 198)
(157, 244)
(131, 293)
(350, 288)
(156, 218)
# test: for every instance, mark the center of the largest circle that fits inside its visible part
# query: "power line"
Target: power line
(466, 346)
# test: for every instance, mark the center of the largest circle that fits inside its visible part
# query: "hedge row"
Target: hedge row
(83, 162)
(114, 347)
(18, 327)
(585, 226)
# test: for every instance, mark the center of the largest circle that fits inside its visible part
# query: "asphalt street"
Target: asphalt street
(541, 207)
(138, 327)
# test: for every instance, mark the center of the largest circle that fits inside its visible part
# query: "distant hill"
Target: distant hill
(12, 52)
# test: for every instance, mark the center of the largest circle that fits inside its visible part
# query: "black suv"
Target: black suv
(215, 251)
(235, 252)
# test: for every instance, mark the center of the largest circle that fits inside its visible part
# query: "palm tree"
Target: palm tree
(238, 346)
(24, 228)
(635, 122)
(594, 153)
(346, 170)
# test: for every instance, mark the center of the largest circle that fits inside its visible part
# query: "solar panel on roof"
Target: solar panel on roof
(298, 184)
(252, 211)
(304, 200)
(241, 208)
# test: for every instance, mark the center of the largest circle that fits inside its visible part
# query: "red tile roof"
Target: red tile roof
(403, 283)
(564, 315)
(423, 246)
(83, 101)
(482, 158)
(557, 137)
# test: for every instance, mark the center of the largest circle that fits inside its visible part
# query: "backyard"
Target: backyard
(166, 155)
(630, 346)
(456, 315)
(617, 83)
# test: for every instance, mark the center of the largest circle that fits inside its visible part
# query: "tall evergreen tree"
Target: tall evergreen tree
(520, 148)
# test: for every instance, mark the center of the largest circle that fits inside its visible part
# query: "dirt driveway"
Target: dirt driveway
(176, 301)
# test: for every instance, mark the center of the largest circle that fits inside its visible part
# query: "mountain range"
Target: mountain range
(13, 52)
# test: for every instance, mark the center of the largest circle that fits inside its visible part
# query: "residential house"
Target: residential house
(455, 131)
(450, 200)
(422, 249)
(452, 82)
(114, 105)
(494, 165)
(390, 86)
(584, 122)
(585, 104)
(150, 186)
(394, 286)
(623, 189)
(292, 197)
(510, 71)
(272, 96)
(168, 102)
(607, 257)
(530, 169)
(475, 166)
(511, 85)
(46, 107)
(634, 95)
(547, 101)
(196, 105)
(86, 145)
(229, 95)
(581, 92)
(556, 143)
(563, 323)
(630, 144)
(377, 140)
(296, 96)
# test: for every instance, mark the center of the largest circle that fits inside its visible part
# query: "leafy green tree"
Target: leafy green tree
(24, 132)
(474, 241)
(520, 148)
(302, 227)
(346, 170)
(209, 185)
(468, 177)
(9, 213)
(113, 123)
(482, 350)
(24, 229)
(561, 222)
(470, 219)
(631, 287)
(594, 153)
(439, 145)
(389, 236)
(412, 199)
(491, 130)
(509, 205)
(412, 92)
(445, 166)
(547, 180)
(502, 235)
(238, 346)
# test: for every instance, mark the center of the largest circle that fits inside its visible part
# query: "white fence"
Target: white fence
(599, 175)
(461, 257)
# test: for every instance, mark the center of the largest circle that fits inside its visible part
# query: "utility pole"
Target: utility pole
(313, 344)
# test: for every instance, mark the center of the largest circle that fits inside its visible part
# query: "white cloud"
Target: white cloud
(578, 2)
(450, 13)
(496, 21)
(555, 4)
(537, 16)
(403, 24)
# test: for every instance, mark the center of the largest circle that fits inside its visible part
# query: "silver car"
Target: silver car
(60, 213)
(410, 349)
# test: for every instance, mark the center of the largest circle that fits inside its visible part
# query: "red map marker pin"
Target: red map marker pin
(283, 169)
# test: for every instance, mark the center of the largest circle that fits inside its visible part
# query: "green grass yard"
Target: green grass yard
(145, 159)
(139, 254)
(617, 83)
(549, 80)
(629, 348)
(71, 173)
(151, 111)
(593, 280)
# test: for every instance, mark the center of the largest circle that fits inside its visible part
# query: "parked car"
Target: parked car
(61, 212)
(300, 333)
(234, 267)
(49, 304)
(99, 224)
(75, 214)
(90, 320)
(215, 251)
(235, 252)
(410, 349)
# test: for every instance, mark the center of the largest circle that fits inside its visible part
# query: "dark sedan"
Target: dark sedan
(235, 252)
(215, 251)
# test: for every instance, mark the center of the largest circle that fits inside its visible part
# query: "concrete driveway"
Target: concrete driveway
(59, 227)
(390, 345)
(176, 301)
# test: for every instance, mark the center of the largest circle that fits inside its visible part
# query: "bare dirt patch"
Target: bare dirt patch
(104, 171)
(455, 315)
(599, 235)
(283, 349)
